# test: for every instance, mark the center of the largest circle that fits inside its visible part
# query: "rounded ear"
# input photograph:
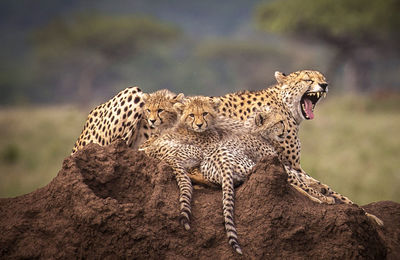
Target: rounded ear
(280, 129)
(179, 97)
(179, 107)
(167, 93)
(259, 119)
(145, 97)
(280, 77)
(215, 102)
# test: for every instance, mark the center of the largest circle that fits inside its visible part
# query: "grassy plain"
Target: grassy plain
(353, 145)
(33, 143)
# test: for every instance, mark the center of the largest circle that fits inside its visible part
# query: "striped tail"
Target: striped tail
(185, 196)
(228, 209)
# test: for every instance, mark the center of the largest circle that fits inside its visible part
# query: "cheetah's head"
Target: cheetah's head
(197, 113)
(158, 108)
(301, 91)
(270, 125)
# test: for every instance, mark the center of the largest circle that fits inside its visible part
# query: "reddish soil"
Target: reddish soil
(112, 202)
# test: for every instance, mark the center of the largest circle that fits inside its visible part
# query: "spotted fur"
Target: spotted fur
(159, 114)
(229, 162)
(131, 115)
(181, 147)
(287, 97)
(121, 117)
(117, 118)
(223, 148)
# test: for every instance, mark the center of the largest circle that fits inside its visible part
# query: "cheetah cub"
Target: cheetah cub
(182, 146)
(158, 115)
(222, 147)
(230, 161)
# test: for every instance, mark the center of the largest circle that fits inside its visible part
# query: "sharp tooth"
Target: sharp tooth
(317, 94)
(324, 94)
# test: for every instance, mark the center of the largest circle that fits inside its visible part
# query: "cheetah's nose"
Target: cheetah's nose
(199, 125)
(152, 121)
(323, 85)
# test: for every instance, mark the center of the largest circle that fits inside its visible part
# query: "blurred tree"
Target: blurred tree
(356, 29)
(243, 64)
(74, 52)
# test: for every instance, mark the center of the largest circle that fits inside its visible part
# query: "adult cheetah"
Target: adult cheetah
(294, 96)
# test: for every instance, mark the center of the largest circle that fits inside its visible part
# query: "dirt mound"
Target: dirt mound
(112, 202)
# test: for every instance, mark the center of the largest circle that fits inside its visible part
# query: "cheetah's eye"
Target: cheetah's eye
(160, 110)
(205, 113)
(191, 115)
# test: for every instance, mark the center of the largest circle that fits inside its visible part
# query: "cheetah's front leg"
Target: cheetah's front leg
(338, 198)
(303, 188)
(322, 188)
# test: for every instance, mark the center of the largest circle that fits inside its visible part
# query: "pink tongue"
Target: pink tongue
(308, 108)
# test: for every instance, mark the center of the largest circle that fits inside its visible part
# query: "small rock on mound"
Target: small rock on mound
(112, 202)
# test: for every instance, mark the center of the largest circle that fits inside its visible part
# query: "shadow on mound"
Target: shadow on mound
(112, 202)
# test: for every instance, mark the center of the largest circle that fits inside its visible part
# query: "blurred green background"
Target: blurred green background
(59, 59)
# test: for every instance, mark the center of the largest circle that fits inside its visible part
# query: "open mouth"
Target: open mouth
(308, 102)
